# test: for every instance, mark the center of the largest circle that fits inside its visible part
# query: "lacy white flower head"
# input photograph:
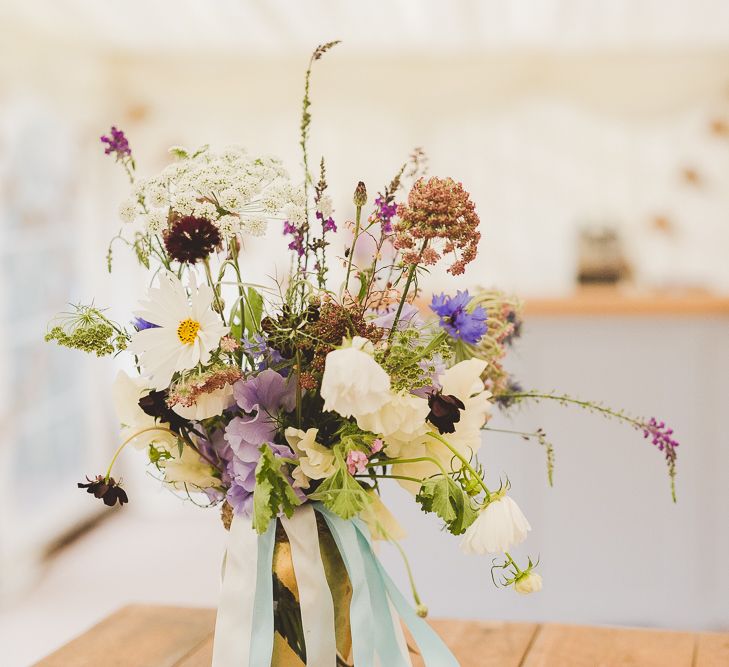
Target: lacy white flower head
(499, 526)
(353, 382)
(185, 329)
(218, 187)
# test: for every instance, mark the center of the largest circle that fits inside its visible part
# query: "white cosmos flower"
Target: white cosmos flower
(530, 582)
(188, 469)
(126, 392)
(210, 404)
(187, 331)
(315, 460)
(353, 382)
(498, 527)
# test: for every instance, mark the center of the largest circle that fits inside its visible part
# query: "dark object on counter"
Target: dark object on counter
(600, 257)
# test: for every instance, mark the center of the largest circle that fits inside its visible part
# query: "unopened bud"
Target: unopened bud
(360, 195)
(421, 610)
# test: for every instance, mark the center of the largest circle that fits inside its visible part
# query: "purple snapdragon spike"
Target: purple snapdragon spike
(297, 242)
(385, 212)
(662, 437)
(327, 225)
(117, 143)
(460, 324)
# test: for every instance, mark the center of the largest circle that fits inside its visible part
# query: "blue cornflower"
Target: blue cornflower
(141, 324)
(456, 320)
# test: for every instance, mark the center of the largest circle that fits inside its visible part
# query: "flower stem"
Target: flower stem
(512, 562)
(128, 440)
(408, 282)
(357, 222)
(463, 460)
(418, 459)
(211, 282)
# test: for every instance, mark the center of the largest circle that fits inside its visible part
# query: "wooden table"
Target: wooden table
(143, 636)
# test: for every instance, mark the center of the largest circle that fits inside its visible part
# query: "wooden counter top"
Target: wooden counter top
(610, 301)
(143, 636)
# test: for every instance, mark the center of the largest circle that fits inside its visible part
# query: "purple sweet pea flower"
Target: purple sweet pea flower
(242, 475)
(410, 316)
(456, 320)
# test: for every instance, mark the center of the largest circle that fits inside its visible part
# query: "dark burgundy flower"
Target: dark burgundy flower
(444, 411)
(191, 239)
(155, 405)
(105, 489)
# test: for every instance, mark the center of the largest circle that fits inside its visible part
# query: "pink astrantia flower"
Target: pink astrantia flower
(356, 462)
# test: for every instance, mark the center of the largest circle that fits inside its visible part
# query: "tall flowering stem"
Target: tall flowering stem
(406, 289)
(359, 199)
(661, 436)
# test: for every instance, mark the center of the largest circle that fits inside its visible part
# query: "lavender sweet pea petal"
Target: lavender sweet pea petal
(243, 432)
(268, 392)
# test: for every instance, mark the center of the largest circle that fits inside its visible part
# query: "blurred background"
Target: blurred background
(594, 138)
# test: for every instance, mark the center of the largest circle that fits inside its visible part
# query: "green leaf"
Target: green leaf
(254, 311)
(273, 492)
(342, 493)
(363, 284)
(447, 499)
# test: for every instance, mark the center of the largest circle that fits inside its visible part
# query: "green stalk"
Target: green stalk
(403, 298)
(357, 222)
(128, 440)
(463, 460)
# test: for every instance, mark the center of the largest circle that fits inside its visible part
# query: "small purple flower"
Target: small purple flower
(297, 243)
(662, 437)
(327, 225)
(456, 320)
(116, 143)
(384, 212)
(140, 324)
(263, 356)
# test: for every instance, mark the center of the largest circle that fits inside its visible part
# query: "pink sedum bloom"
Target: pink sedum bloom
(356, 462)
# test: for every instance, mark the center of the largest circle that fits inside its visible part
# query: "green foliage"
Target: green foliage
(273, 491)
(403, 359)
(88, 330)
(447, 499)
(253, 311)
(341, 493)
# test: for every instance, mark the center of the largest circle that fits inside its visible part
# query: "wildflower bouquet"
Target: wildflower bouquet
(288, 406)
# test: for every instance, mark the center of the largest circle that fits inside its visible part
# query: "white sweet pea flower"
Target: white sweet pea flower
(315, 460)
(529, 582)
(353, 382)
(400, 421)
(464, 382)
(187, 329)
(126, 392)
(499, 526)
(188, 469)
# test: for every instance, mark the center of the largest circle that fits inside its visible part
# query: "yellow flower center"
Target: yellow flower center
(187, 331)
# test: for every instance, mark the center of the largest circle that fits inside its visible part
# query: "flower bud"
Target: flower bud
(421, 610)
(529, 582)
(360, 195)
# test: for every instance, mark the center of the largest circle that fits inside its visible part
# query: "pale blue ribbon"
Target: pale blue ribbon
(262, 628)
(371, 619)
(372, 587)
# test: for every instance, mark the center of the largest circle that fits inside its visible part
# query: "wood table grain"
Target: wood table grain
(150, 636)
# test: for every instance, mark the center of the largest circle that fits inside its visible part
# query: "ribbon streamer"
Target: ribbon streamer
(244, 627)
(315, 598)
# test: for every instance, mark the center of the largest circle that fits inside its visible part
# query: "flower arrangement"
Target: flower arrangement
(262, 400)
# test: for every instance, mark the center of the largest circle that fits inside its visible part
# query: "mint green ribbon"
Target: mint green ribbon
(370, 616)
(262, 627)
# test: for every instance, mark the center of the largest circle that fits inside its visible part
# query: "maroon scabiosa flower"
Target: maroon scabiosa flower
(444, 411)
(190, 239)
(438, 219)
(106, 489)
